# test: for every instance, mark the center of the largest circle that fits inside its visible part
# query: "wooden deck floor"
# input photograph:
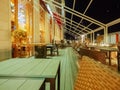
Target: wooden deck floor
(93, 75)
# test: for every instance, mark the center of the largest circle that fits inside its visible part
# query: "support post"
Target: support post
(105, 34)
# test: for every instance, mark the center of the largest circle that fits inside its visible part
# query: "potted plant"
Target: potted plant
(19, 36)
(19, 39)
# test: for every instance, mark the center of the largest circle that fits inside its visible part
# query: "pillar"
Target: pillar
(5, 29)
(36, 21)
(106, 34)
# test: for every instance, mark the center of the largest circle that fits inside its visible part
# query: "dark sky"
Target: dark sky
(101, 10)
(104, 11)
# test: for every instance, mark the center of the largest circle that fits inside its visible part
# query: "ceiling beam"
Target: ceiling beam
(80, 15)
(67, 22)
(71, 31)
(87, 26)
(86, 11)
(74, 29)
(84, 28)
(95, 30)
(87, 8)
(72, 14)
(113, 22)
(78, 28)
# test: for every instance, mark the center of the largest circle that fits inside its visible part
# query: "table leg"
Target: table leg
(109, 57)
(118, 60)
(51, 51)
(43, 86)
(52, 83)
(58, 83)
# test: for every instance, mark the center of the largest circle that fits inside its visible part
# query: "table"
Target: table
(22, 84)
(51, 47)
(109, 50)
(37, 68)
(91, 47)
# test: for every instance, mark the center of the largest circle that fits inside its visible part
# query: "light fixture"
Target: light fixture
(49, 9)
(98, 34)
(82, 38)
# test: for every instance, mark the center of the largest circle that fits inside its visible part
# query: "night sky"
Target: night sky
(104, 11)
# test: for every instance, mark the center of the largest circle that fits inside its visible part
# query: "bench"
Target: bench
(22, 84)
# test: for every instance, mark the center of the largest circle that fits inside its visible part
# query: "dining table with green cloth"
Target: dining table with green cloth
(33, 68)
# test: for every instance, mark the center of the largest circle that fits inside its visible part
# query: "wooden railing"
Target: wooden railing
(97, 55)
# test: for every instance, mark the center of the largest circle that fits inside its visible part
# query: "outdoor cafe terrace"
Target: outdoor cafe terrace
(76, 73)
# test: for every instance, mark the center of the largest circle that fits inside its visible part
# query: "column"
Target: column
(47, 27)
(106, 34)
(93, 37)
(16, 13)
(5, 29)
(36, 21)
